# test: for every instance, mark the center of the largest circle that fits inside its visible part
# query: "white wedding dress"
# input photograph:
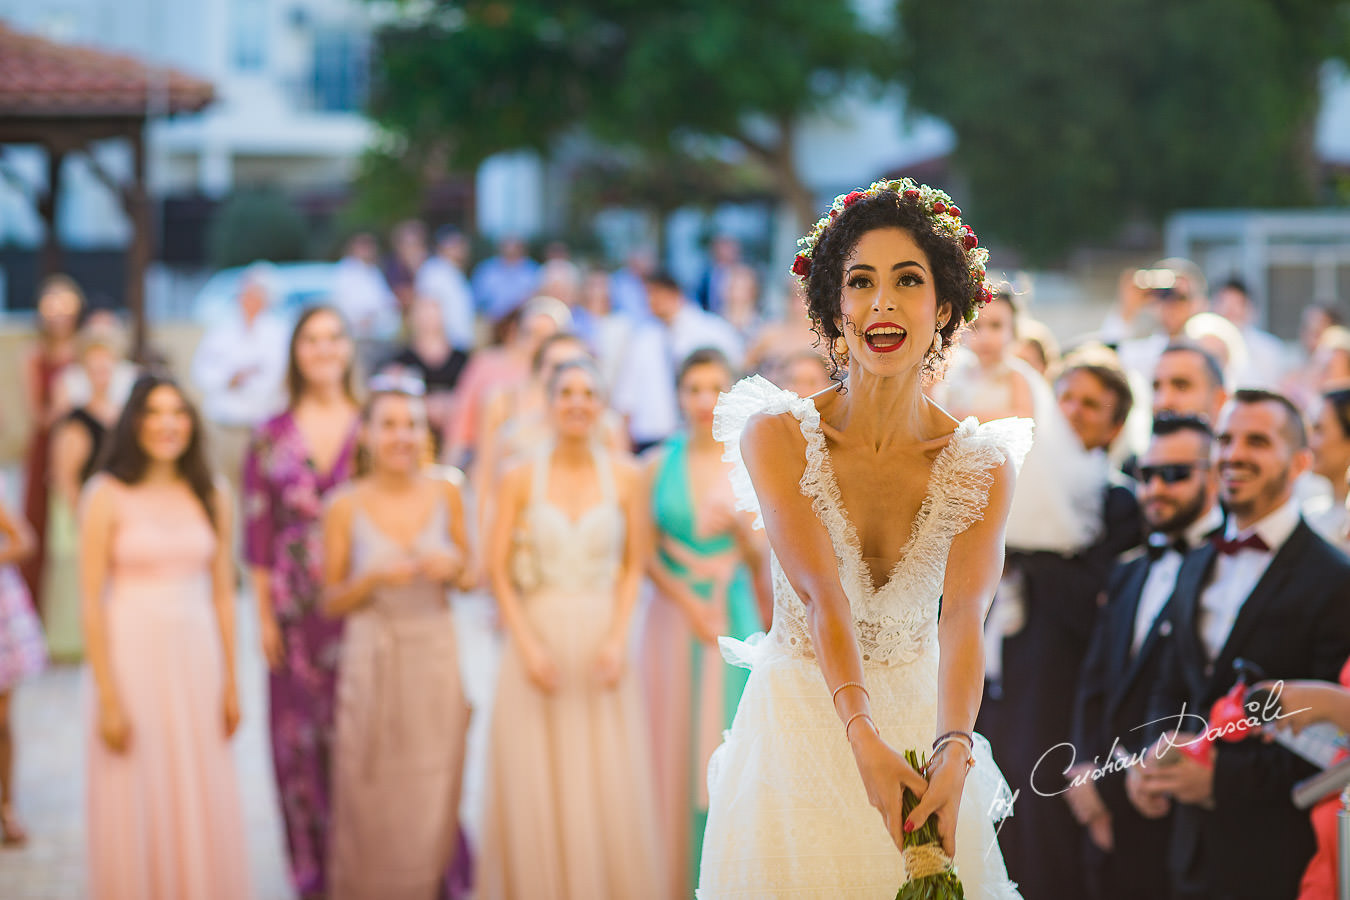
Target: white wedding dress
(789, 816)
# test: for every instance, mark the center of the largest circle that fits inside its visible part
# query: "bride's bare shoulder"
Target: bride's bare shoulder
(773, 443)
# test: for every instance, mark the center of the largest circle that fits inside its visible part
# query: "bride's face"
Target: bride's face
(889, 303)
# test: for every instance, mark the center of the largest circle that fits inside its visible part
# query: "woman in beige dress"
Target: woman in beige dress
(394, 543)
(570, 811)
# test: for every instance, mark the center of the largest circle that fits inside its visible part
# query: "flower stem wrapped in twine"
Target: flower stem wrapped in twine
(928, 869)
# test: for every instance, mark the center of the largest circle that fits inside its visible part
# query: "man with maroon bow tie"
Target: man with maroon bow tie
(1269, 591)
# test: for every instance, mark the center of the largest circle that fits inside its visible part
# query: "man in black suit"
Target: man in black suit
(1125, 854)
(1028, 708)
(1271, 592)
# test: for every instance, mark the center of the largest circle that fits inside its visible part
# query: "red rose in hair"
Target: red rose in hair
(912, 195)
(939, 207)
(853, 198)
(956, 211)
(802, 266)
(970, 241)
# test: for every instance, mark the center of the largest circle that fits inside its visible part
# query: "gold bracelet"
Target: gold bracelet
(835, 696)
(856, 716)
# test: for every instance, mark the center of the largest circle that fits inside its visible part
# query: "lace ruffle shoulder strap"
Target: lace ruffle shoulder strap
(966, 473)
(750, 397)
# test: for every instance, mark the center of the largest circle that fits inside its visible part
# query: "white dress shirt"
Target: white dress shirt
(645, 388)
(256, 351)
(1330, 519)
(442, 281)
(1162, 577)
(77, 390)
(1236, 575)
(363, 297)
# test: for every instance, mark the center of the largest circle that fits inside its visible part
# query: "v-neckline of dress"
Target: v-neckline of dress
(307, 452)
(851, 543)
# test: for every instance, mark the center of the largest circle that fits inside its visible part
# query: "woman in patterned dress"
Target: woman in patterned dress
(294, 461)
(22, 654)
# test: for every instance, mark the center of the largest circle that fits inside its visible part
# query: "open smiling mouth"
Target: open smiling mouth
(885, 337)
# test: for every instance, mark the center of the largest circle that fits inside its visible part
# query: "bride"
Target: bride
(886, 518)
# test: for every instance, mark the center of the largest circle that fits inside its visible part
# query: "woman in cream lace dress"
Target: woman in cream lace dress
(877, 503)
(570, 812)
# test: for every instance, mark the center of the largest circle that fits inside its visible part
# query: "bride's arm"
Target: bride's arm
(974, 566)
(774, 453)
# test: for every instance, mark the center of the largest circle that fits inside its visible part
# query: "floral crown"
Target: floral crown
(946, 217)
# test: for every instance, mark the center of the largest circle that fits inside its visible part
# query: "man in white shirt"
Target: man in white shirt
(1271, 593)
(1125, 854)
(645, 391)
(442, 279)
(239, 368)
(1173, 290)
(360, 292)
(1268, 358)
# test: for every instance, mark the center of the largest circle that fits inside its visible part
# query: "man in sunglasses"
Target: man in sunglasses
(1125, 854)
(1270, 592)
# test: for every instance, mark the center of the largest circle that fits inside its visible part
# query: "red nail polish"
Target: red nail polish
(909, 826)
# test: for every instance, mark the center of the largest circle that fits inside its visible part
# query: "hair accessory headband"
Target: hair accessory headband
(946, 217)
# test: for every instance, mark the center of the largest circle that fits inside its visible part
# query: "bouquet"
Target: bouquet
(929, 869)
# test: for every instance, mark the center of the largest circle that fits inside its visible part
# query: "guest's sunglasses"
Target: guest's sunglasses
(1172, 473)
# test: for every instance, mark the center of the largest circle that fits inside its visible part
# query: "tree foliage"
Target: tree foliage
(1075, 118)
(475, 77)
(256, 224)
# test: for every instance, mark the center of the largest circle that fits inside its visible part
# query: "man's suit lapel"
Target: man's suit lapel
(1122, 634)
(1184, 612)
(1272, 583)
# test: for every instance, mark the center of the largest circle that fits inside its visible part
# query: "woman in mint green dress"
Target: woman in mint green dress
(704, 571)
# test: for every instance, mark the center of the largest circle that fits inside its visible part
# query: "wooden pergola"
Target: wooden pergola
(65, 98)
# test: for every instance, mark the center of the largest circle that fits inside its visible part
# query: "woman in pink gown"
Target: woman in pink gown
(157, 584)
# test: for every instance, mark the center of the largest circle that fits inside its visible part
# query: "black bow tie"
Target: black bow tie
(1158, 545)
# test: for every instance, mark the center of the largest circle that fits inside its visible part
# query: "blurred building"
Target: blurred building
(290, 76)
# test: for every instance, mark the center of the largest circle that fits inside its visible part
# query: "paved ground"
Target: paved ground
(49, 726)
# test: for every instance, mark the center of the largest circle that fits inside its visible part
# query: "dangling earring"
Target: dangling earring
(937, 340)
(841, 350)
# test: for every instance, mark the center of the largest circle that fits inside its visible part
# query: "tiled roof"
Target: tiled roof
(39, 77)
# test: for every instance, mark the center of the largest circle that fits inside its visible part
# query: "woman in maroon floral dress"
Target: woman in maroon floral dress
(294, 460)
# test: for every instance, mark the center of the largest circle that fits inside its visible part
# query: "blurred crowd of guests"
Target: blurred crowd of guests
(1179, 526)
(538, 436)
(508, 436)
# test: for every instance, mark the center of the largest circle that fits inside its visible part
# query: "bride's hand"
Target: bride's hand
(946, 780)
(885, 774)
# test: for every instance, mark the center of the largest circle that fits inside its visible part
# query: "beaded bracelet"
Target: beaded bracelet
(859, 715)
(835, 696)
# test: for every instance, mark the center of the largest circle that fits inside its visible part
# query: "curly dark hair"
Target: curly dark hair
(888, 209)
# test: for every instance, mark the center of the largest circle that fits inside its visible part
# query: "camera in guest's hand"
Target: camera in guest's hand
(1161, 283)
